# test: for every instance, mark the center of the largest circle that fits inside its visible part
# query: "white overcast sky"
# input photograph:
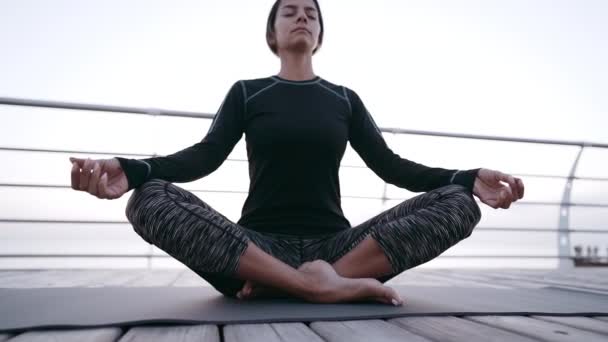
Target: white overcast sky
(524, 68)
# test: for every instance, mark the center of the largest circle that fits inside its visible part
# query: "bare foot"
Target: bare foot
(255, 290)
(330, 287)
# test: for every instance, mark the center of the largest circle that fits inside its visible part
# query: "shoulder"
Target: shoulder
(348, 93)
(252, 86)
(341, 91)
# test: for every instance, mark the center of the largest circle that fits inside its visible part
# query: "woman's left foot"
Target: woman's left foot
(255, 290)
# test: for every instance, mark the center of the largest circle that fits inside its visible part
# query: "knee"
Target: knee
(465, 206)
(142, 198)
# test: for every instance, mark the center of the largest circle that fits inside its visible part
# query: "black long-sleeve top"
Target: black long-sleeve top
(296, 134)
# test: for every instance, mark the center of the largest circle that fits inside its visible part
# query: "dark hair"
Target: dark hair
(270, 27)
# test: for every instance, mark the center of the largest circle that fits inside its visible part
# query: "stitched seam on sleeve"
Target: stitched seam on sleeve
(347, 99)
(149, 168)
(244, 96)
(453, 175)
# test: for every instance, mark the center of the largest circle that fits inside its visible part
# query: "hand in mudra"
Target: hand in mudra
(491, 191)
(330, 287)
(102, 178)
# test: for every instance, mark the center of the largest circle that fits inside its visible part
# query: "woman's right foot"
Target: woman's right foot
(330, 287)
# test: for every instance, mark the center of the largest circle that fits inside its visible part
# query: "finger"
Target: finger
(102, 187)
(78, 161)
(514, 188)
(391, 295)
(85, 174)
(75, 175)
(506, 178)
(246, 290)
(508, 197)
(94, 181)
(501, 199)
(520, 184)
(498, 202)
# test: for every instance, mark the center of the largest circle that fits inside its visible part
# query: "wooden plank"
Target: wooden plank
(116, 278)
(410, 277)
(155, 278)
(57, 278)
(180, 333)
(425, 278)
(5, 273)
(363, 330)
(484, 278)
(580, 278)
(595, 277)
(536, 328)
(75, 335)
(270, 332)
(70, 278)
(189, 278)
(295, 332)
(548, 282)
(80, 278)
(10, 280)
(447, 280)
(584, 323)
(454, 329)
(585, 274)
(477, 278)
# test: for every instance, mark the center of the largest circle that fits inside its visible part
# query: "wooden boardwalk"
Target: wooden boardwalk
(429, 328)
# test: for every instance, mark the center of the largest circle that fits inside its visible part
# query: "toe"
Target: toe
(390, 294)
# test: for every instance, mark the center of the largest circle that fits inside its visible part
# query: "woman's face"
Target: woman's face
(297, 26)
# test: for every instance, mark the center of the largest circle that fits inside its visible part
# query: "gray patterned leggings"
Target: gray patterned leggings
(410, 233)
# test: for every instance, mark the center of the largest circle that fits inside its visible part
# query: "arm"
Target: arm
(367, 140)
(200, 159)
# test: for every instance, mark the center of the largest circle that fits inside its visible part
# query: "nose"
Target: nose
(302, 16)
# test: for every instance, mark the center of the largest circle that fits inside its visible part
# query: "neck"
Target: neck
(296, 66)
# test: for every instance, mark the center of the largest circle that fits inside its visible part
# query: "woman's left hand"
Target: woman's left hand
(491, 191)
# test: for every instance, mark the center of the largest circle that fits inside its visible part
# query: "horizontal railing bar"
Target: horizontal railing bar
(46, 150)
(140, 155)
(166, 112)
(101, 108)
(169, 256)
(52, 186)
(571, 204)
(493, 137)
(536, 229)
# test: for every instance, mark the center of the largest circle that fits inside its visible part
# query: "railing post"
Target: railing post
(563, 229)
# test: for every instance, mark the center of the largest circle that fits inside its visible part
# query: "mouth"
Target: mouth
(301, 29)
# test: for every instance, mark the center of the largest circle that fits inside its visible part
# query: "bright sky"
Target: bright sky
(511, 68)
(516, 68)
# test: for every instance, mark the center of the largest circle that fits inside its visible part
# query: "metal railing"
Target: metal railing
(564, 254)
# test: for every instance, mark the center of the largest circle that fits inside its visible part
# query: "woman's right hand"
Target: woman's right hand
(102, 178)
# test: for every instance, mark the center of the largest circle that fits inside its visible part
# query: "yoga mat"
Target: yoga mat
(74, 307)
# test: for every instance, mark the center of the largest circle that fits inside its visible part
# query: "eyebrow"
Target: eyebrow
(308, 8)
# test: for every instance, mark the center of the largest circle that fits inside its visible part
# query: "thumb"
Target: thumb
(80, 161)
(103, 185)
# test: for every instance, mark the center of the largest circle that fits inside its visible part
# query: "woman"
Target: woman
(292, 238)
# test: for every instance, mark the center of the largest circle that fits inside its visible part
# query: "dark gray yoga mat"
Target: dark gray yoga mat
(72, 307)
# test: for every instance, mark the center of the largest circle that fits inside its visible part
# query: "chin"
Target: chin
(300, 46)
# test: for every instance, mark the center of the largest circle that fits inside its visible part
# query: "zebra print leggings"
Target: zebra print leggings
(410, 233)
